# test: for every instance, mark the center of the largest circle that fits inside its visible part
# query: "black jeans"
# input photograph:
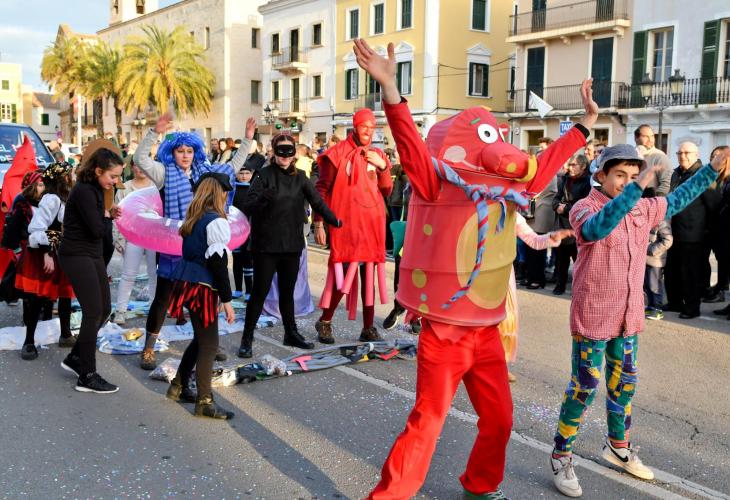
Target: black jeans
(286, 266)
(160, 303)
(535, 260)
(683, 276)
(91, 286)
(200, 354)
(243, 270)
(35, 308)
(565, 252)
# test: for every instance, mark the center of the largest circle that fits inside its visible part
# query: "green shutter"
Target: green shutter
(708, 72)
(638, 67)
(348, 76)
(471, 78)
(485, 81)
(14, 111)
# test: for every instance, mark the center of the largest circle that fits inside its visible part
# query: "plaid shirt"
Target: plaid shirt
(608, 297)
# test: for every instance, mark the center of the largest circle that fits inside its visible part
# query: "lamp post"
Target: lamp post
(271, 114)
(138, 124)
(661, 101)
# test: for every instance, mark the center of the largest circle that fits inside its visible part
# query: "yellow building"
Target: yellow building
(11, 93)
(451, 55)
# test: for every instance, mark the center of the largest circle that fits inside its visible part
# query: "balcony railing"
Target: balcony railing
(696, 91)
(289, 57)
(566, 97)
(291, 106)
(371, 101)
(565, 16)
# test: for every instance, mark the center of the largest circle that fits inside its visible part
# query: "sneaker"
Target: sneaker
(654, 314)
(237, 294)
(391, 320)
(628, 459)
(29, 352)
(494, 495)
(416, 326)
(71, 364)
(120, 318)
(66, 342)
(13, 303)
(93, 382)
(564, 476)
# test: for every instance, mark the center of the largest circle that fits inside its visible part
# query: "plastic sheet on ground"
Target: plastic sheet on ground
(173, 333)
(111, 340)
(223, 375)
(12, 337)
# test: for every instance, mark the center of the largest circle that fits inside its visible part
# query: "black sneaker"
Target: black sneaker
(93, 382)
(391, 320)
(72, 364)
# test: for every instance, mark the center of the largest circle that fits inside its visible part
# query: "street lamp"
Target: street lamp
(138, 124)
(661, 101)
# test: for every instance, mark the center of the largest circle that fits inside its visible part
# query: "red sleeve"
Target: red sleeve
(414, 156)
(327, 174)
(550, 161)
(385, 181)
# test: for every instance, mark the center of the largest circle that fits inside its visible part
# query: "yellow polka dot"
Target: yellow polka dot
(511, 167)
(427, 229)
(419, 278)
(423, 309)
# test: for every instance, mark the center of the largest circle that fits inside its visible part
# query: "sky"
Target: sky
(29, 26)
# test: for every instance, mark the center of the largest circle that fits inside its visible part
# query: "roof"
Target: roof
(45, 101)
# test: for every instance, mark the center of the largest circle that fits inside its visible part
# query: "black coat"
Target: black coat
(275, 204)
(569, 192)
(691, 224)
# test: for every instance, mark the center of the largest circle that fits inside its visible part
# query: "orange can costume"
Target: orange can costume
(457, 260)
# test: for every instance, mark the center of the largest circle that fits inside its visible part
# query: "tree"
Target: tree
(164, 68)
(60, 67)
(98, 73)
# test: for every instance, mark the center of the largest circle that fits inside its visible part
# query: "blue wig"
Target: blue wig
(175, 140)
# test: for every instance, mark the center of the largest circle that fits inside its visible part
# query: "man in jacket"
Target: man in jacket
(644, 136)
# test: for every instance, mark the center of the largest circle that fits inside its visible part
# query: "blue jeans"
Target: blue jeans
(654, 287)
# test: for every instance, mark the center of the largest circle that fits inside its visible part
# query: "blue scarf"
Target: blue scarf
(179, 187)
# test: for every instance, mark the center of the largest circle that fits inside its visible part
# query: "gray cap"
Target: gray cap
(619, 152)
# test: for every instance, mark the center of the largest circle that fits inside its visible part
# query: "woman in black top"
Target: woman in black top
(81, 257)
(275, 203)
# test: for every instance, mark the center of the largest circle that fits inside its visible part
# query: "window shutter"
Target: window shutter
(471, 78)
(485, 81)
(638, 67)
(348, 78)
(710, 53)
(14, 113)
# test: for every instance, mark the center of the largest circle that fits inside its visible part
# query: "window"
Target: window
(726, 60)
(512, 78)
(478, 79)
(479, 15)
(661, 68)
(378, 19)
(275, 90)
(317, 34)
(140, 6)
(8, 113)
(352, 77)
(255, 91)
(406, 14)
(45, 119)
(353, 24)
(255, 33)
(275, 43)
(403, 77)
(317, 86)
(6, 84)
(206, 38)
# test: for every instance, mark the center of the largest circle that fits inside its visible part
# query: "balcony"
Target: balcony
(289, 60)
(372, 101)
(567, 97)
(696, 91)
(291, 108)
(564, 21)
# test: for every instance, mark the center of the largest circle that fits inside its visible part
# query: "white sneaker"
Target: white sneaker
(628, 459)
(564, 476)
(120, 318)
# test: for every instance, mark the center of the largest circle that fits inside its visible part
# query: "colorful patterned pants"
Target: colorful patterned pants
(621, 377)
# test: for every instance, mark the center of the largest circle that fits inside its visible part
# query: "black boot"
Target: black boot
(206, 407)
(294, 339)
(179, 392)
(722, 312)
(246, 349)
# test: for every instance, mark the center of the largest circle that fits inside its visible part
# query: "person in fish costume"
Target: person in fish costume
(459, 247)
(354, 180)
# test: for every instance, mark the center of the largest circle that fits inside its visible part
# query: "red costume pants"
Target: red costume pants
(477, 359)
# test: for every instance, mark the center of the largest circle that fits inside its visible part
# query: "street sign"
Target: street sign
(564, 127)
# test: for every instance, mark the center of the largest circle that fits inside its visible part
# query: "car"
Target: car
(70, 150)
(11, 138)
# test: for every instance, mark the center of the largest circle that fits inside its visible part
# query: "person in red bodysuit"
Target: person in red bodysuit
(354, 179)
(457, 259)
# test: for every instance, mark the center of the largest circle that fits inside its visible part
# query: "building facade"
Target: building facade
(559, 43)
(41, 112)
(11, 93)
(225, 29)
(297, 42)
(451, 55)
(670, 43)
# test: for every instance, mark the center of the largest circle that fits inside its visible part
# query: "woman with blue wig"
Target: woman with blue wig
(181, 161)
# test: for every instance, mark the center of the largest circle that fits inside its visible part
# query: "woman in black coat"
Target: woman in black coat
(275, 204)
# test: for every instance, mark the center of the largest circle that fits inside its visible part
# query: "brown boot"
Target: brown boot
(324, 332)
(369, 335)
(148, 360)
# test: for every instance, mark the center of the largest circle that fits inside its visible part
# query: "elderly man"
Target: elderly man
(685, 257)
(644, 136)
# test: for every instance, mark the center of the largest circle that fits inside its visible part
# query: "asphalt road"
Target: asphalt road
(326, 434)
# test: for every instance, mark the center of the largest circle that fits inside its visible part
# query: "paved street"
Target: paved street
(325, 434)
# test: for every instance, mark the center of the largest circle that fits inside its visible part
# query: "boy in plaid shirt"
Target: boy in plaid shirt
(612, 226)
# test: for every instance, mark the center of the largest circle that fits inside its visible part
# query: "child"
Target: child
(39, 276)
(81, 257)
(201, 279)
(612, 226)
(242, 259)
(660, 239)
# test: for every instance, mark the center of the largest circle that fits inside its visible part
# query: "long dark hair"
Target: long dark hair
(103, 159)
(60, 186)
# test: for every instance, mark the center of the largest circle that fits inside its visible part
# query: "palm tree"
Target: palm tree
(60, 67)
(163, 68)
(98, 71)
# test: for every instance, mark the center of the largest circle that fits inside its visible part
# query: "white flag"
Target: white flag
(542, 107)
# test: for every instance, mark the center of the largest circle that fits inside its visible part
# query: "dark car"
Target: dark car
(11, 138)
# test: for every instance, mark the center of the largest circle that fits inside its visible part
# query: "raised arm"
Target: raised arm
(240, 158)
(153, 169)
